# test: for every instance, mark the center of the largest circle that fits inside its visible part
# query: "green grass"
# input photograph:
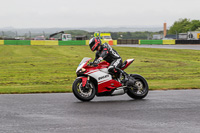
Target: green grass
(32, 69)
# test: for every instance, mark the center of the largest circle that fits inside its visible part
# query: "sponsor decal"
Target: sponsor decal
(105, 76)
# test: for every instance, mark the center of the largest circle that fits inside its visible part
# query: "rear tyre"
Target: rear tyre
(83, 93)
(141, 90)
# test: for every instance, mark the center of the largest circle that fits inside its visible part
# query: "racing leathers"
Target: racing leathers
(111, 56)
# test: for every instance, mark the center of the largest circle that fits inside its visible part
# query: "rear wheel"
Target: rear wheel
(83, 93)
(140, 89)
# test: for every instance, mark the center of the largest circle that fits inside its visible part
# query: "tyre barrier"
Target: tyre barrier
(86, 42)
(157, 42)
(127, 41)
(41, 42)
(51, 42)
(187, 41)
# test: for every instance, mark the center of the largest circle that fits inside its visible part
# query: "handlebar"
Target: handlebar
(93, 64)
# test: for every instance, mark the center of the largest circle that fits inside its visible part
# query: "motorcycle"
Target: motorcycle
(94, 79)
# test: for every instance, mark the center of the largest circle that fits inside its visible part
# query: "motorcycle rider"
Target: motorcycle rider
(107, 53)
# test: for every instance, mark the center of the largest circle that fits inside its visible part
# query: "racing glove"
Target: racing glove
(98, 60)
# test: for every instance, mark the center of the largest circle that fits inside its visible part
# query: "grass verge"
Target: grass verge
(39, 69)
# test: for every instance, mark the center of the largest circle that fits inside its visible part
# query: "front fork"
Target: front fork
(88, 82)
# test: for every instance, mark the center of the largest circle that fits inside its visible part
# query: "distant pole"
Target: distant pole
(25, 35)
(3, 34)
(16, 34)
(44, 34)
(165, 29)
(148, 36)
(30, 35)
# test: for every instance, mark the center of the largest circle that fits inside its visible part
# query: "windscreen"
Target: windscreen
(84, 60)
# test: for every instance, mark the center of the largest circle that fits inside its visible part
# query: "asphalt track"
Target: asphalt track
(174, 111)
(193, 47)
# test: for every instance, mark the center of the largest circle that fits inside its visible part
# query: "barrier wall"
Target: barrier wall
(114, 42)
(151, 42)
(127, 41)
(159, 42)
(10, 42)
(187, 41)
(78, 42)
(1, 42)
(86, 42)
(44, 42)
(37, 42)
(41, 42)
(51, 42)
(111, 42)
(17, 42)
(169, 41)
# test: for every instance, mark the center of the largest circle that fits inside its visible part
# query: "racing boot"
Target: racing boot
(126, 76)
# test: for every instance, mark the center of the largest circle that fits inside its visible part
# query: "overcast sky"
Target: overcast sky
(92, 13)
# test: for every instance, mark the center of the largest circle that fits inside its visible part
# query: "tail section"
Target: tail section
(127, 63)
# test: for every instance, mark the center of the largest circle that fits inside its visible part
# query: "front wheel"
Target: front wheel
(83, 93)
(140, 89)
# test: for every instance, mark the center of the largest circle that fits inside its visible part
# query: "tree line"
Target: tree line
(184, 25)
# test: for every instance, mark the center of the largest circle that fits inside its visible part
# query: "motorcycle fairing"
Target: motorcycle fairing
(104, 80)
(100, 73)
(108, 86)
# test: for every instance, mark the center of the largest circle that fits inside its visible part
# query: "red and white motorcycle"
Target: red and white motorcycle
(95, 80)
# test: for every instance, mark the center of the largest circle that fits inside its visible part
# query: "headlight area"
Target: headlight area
(81, 71)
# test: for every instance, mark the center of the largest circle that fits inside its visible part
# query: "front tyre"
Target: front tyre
(83, 93)
(140, 89)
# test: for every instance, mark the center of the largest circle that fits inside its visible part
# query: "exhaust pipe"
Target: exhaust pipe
(118, 91)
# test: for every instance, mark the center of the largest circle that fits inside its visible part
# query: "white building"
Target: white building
(157, 37)
(183, 36)
(193, 35)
